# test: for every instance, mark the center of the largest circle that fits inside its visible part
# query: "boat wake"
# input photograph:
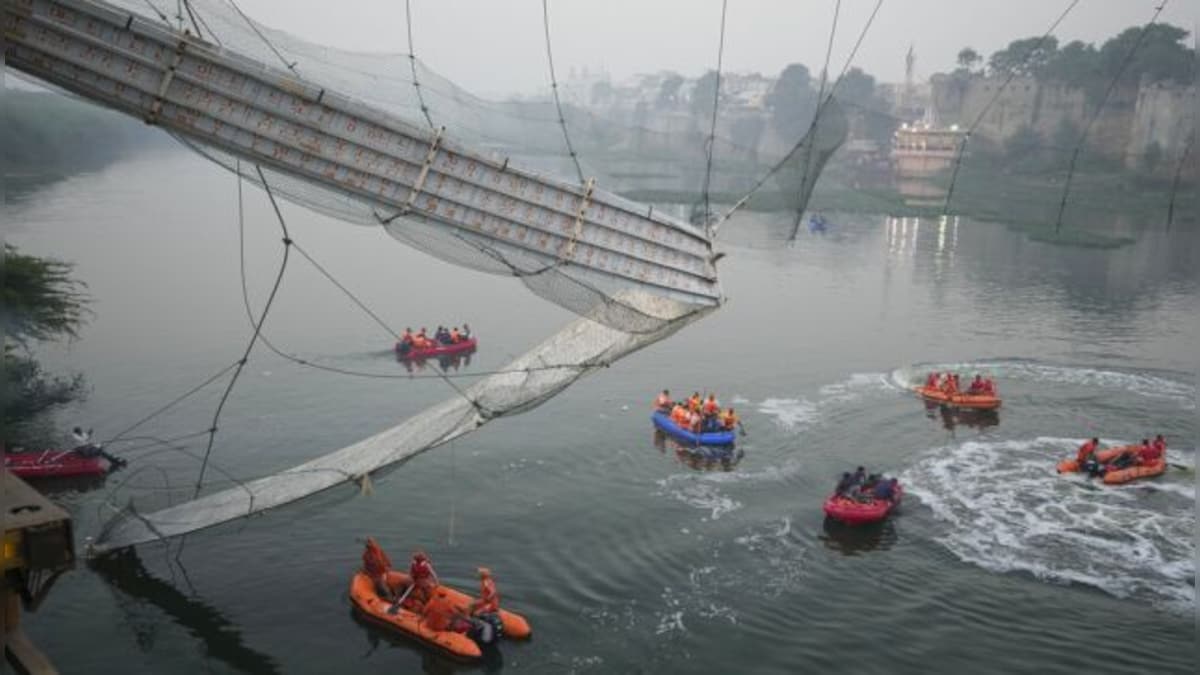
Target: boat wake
(1141, 384)
(797, 414)
(1000, 505)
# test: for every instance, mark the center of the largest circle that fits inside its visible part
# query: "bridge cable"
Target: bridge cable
(837, 9)
(562, 121)
(241, 364)
(290, 65)
(412, 62)
(1100, 107)
(712, 130)
(741, 202)
(1183, 157)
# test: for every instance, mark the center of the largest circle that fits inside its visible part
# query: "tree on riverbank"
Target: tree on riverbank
(41, 302)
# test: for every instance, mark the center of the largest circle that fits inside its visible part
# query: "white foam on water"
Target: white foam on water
(699, 494)
(1004, 508)
(782, 565)
(790, 413)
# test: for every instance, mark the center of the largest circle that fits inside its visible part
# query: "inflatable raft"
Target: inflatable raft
(1118, 476)
(970, 401)
(664, 423)
(416, 624)
(54, 463)
(854, 512)
(464, 347)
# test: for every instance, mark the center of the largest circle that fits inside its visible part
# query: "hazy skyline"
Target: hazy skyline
(498, 47)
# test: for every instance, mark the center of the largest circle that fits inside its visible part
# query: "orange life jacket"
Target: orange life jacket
(710, 407)
(694, 404)
(663, 401)
(455, 337)
(729, 420)
(1084, 451)
(375, 561)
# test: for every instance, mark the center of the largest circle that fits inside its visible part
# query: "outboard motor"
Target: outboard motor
(485, 629)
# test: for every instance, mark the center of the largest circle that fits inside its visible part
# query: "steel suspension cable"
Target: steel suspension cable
(562, 121)
(712, 130)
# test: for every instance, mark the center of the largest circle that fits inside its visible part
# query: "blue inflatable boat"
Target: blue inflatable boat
(664, 423)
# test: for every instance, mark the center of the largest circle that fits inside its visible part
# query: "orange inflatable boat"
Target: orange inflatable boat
(971, 401)
(1118, 476)
(431, 624)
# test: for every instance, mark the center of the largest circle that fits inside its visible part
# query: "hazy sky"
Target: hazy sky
(494, 46)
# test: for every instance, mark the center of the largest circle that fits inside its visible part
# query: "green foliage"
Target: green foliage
(26, 392)
(668, 91)
(702, 95)
(858, 89)
(792, 100)
(40, 299)
(1027, 56)
(969, 59)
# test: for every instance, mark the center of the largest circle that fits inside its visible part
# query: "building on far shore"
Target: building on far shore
(920, 152)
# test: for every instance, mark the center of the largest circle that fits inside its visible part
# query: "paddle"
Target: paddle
(1181, 467)
(396, 605)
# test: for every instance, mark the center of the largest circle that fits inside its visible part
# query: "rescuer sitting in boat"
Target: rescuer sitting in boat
(488, 605)
(84, 447)
(424, 578)
(663, 402)
(729, 420)
(1085, 457)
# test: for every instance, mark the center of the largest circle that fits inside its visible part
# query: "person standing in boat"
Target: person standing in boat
(885, 490)
(931, 382)
(488, 604)
(466, 332)
(424, 578)
(376, 566)
(729, 420)
(84, 447)
(663, 403)
(1085, 456)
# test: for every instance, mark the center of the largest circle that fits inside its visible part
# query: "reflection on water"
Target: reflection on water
(447, 363)
(852, 540)
(699, 457)
(124, 571)
(433, 662)
(952, 418)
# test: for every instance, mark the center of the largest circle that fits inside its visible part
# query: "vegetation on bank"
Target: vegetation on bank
(41, 302)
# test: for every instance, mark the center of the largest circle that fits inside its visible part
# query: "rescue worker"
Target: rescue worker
(407, 336)
(1130, 456)
(421, 341)
(489, 599)
(860, 475)
(989, 387)
(1161, 444)
(885, 489)
(931, 382)
(1151, 452)
(663, 403)
(424, 578)
(710, 408)
(845, 485)
(455, 336)
(679, 415)
(376, 565)
(694, 421)
(694, 402)
(729, 419)
(976, 385)
(1086, 452)
(466, 332)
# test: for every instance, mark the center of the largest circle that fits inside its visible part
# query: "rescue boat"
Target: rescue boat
(663, 422)
(1118, 476)
(410, 620)
(853, 512)
(463, 347)
(53, 464)
(971, 401)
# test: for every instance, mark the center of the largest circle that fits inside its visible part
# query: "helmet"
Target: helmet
(485, 572)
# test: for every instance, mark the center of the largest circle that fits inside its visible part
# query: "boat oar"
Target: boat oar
(1181, 467)
(396, 605)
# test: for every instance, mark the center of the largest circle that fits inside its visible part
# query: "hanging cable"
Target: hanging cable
(1183, 157)
(800, 143)
(962, 146)
(1062, 207)
(241, 364)
(837, 10)
(290, 65)
(562, 121)
(216, 376)
(412, 61)
(712, 130)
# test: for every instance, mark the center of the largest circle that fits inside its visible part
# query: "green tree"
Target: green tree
(792, 100)
(969, 59)
(41, 301)
(1027, 56)
(668, 91)
(1151, 158)
(702, 95)
(1160, 57)
(1077, 63)
(857, 88)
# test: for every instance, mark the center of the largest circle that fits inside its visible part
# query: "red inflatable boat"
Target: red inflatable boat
(854, 512)
(464, 347)
(54, 463)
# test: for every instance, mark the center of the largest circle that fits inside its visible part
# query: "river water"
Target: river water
(625, 554)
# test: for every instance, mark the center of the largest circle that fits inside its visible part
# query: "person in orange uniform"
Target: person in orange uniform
(729, 419)
(693, 403)
(663, 403)
(376, 565)
(1161, 444)
(989, 387)
(679, 415)
(976, 385)
(1086, 451)
(710, 407)
(424, 578)
(1152, 452)
(455, 336)
(489, 599)
(931, 382)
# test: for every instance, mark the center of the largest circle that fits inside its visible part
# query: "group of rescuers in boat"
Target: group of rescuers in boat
(442, 336)
(697, 414)
(420, 597)
(1146, 453)
(861, 487)
(948, 384)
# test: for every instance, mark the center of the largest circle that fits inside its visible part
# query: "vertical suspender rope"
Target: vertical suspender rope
(412, 62)
(837, 10)
(962, 146)
(712, 129)
(562, 121)
(1062, 206)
